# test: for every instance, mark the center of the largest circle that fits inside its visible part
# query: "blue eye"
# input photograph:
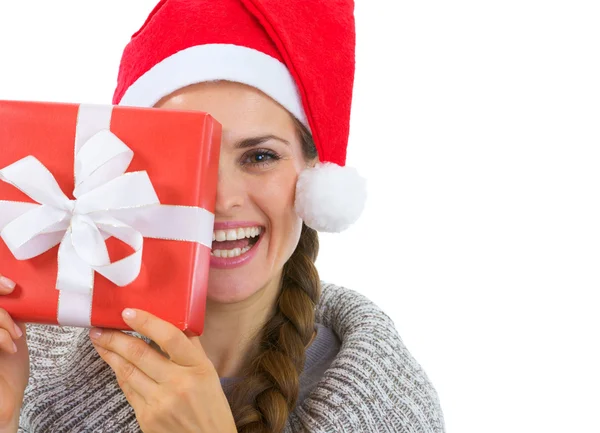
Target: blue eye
(260, 157)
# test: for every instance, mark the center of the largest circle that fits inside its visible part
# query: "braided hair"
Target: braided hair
(268, 393)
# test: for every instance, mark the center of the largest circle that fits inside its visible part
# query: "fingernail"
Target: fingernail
(95, 333)
(7, 283)
(128, 313)
(18, 331)
(14, 347)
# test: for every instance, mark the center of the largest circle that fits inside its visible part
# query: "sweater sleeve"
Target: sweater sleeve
(375, 384)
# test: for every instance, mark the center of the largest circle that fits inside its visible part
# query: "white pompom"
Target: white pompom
(330, 198)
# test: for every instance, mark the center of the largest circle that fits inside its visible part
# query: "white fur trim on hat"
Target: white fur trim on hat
(217, 62)
(330, 198)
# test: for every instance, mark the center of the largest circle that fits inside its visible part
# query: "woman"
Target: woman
(280, 351)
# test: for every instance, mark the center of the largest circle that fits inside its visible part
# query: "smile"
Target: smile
(234, 246)
(234, 242)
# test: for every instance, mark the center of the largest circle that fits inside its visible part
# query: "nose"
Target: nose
(230, 192)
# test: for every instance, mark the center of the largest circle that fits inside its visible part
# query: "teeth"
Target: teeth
(236, 252)
(235, 234)
(232, 235)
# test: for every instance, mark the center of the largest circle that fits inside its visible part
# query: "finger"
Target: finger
(6, 285)
(134, 351)
(136, 400)
(130, 378)
(7, 323)
(6, 342)
(171, 340)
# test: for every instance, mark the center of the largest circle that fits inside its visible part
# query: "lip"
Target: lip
(224, 225)
(235, 262)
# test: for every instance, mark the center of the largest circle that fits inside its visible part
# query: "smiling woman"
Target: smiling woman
(280, 351)
(262, 155)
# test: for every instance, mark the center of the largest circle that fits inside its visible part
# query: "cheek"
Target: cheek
(272, 197)
(279, 190)
(276, 197)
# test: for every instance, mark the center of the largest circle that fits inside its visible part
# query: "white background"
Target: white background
(477, 124)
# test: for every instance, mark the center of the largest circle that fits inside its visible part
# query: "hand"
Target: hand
(181, 393)
(14, 364)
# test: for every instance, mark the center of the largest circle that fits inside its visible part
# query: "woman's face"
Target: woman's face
(256, 227)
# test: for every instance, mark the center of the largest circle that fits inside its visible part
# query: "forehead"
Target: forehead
(241, 109)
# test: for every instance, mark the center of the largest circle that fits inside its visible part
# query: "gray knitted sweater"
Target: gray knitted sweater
(373, 385)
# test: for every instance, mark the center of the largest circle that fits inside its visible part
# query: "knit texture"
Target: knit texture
(373, 385)
(319, 356)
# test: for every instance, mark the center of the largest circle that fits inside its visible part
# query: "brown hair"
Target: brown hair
(264, 398)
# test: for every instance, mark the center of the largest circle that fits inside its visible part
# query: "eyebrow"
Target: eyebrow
(256, 141)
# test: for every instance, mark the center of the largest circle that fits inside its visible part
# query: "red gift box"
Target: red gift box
(179, 153)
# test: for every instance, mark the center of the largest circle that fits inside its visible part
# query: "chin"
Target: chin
(252, 273)
(232, 284)
(225, 287)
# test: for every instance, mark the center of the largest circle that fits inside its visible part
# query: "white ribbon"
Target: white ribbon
(108, 203)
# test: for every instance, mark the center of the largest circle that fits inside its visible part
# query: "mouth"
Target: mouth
(234, 245)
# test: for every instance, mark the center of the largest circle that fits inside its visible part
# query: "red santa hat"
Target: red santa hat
(300, 53)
